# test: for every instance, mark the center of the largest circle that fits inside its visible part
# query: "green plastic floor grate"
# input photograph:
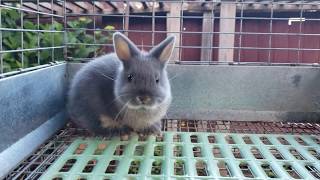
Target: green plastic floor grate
(190, 155)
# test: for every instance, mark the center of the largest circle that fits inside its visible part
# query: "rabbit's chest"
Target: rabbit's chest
(142, 119)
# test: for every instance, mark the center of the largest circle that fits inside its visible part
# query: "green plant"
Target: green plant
(9, 18)
(51, 39)
(79, 39)
(77, 36)
(15, 40)
(11, 40)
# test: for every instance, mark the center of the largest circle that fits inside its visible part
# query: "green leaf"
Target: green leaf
(46, 39)
(73, 24)
(58, 39)
(102, 40)
(109, 27)
(6, 67)
(13, 41)
(8, 57)
(29, 25)
(71, 38)
(88, 38)
(83, 22)
(18, 64)
(45, 26)
(45, 56)
(13, 14)
(30, 40)
(58, 54)
(97, 33)
(82, 51)
(57, 26)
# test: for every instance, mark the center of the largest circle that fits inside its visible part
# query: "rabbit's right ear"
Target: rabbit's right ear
(124, 48)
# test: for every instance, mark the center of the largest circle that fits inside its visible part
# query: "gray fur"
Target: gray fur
(101, 90)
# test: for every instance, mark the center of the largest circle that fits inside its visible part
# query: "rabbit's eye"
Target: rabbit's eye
(157, 80)
(130, 77)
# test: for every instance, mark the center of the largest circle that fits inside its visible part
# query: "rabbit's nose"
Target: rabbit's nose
(144, 99)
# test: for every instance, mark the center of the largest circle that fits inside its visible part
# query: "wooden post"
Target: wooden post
(206, 39)
(228, 10)
(126, 19)
(174, 27)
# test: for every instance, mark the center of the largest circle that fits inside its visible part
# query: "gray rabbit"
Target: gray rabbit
(121, 92)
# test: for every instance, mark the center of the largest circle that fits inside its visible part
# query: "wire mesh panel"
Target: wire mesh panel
(196, 157)
(209, 32)
(32, 34)
(258, 127)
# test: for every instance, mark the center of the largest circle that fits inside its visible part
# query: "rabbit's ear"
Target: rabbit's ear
(123, 47)
(163, 51)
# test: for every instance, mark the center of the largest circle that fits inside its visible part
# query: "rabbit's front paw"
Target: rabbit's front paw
(153, 129)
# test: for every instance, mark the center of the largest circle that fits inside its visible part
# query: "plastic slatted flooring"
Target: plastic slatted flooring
(190, 155)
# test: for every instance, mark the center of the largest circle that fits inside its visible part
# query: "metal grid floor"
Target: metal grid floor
(190, 155)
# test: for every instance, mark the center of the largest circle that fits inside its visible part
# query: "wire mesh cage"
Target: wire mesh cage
(217, 32)
(36, 34)
(30, 35)
(209, 32)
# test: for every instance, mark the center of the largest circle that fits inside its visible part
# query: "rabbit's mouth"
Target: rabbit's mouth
(142, 107)
(143, 103)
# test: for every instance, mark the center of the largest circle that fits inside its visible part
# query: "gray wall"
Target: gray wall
(247, 93)
(32, 108)
(28, 100)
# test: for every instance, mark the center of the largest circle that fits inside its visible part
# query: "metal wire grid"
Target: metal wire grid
(272, 13)
(240, 127)
(35, 165)
(37, 18)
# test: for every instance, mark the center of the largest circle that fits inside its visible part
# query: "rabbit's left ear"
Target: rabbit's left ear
(163, 51)
(124, 48)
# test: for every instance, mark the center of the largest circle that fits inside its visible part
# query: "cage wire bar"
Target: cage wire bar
(33, 25)
(280, 17)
